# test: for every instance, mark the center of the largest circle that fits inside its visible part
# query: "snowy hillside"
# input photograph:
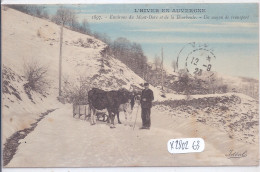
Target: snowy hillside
(38, 39)
(25, 39)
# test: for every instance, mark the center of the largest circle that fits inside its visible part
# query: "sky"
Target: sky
(233, 40)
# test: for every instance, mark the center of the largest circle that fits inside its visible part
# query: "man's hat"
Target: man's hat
(146, 84)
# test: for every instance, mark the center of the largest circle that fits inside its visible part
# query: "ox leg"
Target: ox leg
(130, 117)
(117, 114)
(89, 112)
(93, 116)
(126, 117)
(74, 111)
(109, 117)
(112, 117)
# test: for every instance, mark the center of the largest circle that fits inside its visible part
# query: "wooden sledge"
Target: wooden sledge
(83, 110)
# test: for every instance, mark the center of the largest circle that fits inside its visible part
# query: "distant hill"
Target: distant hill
(174, 82)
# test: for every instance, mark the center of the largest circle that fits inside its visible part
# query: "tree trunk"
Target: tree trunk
(60, 58)
(162, 69)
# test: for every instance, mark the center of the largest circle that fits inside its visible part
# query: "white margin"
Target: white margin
(133, 169)
(121, 1)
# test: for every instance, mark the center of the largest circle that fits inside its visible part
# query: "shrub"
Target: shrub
(188, 84)
(81, 42)
(74, 92)
(36, 76)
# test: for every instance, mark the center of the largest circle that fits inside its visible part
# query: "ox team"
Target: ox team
(121, 100)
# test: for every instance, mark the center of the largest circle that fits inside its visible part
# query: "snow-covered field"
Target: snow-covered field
(62, 141)
(59, 140)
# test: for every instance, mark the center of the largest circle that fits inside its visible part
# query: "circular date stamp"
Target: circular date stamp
(197, 59)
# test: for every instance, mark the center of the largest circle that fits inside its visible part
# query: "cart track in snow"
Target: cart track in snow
(12, 143)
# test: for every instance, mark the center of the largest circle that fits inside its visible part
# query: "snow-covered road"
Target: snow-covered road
(60, 140)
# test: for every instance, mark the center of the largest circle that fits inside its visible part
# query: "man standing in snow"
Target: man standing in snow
(146, 105)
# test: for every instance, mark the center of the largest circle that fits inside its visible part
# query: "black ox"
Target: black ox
(111, 100)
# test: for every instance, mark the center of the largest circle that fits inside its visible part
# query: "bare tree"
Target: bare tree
(85, 26)
(64, 16)
(157, 61)
(130, 53)
(162, 70)
(38, 11)
(185, 82)
(174, 65)
(73, 23)
(45, 15)
(34, 10)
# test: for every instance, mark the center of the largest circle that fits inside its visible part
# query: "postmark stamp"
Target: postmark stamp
(197, 59)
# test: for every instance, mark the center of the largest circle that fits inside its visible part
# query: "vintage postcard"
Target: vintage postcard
(130, 85)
